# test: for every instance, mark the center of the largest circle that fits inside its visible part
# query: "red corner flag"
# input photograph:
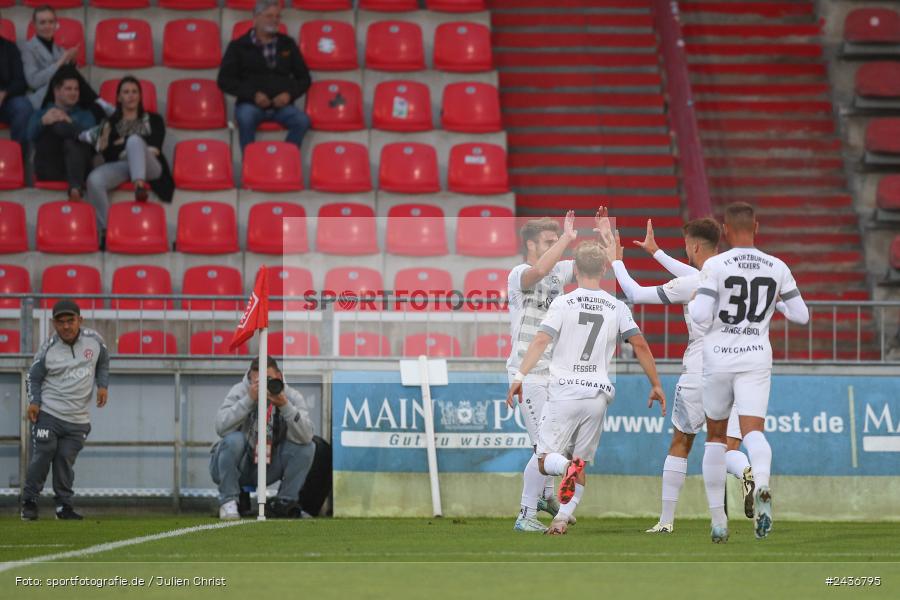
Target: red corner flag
(256, 315)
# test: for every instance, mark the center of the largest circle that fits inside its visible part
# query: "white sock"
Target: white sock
(549, 488)
(714, 475)
(568, 509)
(531, 488)
(674, 472)
(760, 457)
(555, 464)
(735, 462)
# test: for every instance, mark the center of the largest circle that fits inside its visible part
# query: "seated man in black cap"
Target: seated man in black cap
(60, 386)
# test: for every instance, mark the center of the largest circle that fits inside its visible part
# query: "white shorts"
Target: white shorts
(747, 393)
(572, 427)
(534, 397)
(688, 415)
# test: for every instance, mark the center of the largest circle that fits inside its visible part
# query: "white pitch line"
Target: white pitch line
(105, 547)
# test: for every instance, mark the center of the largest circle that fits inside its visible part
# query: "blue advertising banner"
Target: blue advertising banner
(817, 425)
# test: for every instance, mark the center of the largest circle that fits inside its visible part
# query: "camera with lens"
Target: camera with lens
(274, 386)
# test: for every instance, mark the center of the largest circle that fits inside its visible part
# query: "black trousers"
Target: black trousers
(59, 156)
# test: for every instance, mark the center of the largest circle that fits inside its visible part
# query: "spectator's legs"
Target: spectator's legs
(77, 156)
(69, 444)
(248, 117)
(43, 449)
(142, 164)
(102, 179)
(295, 121)
(291, 464)
(225, 465)
(16, 111)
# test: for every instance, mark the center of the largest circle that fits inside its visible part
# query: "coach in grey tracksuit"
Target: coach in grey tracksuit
(60, 386)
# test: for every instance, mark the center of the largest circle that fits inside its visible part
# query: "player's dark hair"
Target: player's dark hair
(740, 216)
(270, 364)
(532, 229)
(590, 259)
(705, 229)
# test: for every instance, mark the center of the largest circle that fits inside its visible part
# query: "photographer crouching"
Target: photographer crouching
(289, 442)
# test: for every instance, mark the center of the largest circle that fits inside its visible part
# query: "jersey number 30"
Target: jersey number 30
(739, 296)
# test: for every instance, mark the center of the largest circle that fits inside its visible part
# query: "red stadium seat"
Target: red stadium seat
(888, 195)
(148, 92)
(67, 228)
(69, 34)
(289, 281)
(334, 105)
(57, 4)
(408, 168)
(195, 104)
(147, 341)
(245, 4)
(352, 283)
(13, 280)
(119, 4)
(72, 279)
(389, 5)
(477, 169)
(364, 344)
(146, 280)
(493, 346)
(394, 46)
(872, 26)
(329, 45)
(486, 231)
(883, 135)
(461, 47)
(485, 289)
(192, 44)
(242, 27)
(416, 230)
(402, 106)
(13, 230)
(272, 167)
(895, 252)
(293, 343)
(341, 167)
(10, 342)
(123, 44)
(189, 4)
(878, 79)
(438, 345)
(137, 228)
(203, 165)
(347, 229)
(456, 6)
(56, 186)
(12, 171)
(212, 280)
(323, 5)
(423, 289)
(267, 219)
(471, 107)
(215, 343)
(206, 228)
(8, 30)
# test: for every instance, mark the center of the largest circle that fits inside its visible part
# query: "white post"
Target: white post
(261, 399)
(429, 437)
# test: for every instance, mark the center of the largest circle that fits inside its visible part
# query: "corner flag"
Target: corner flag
(256, 315)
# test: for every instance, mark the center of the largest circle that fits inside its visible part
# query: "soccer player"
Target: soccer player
(585, 325)
(734, 304)
(701, 241)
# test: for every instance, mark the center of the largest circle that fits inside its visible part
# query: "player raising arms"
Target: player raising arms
(701, 241)
(585, 325)
(734, 304)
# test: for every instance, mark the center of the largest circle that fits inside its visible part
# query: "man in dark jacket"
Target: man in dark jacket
(15, 109)
(264, 70)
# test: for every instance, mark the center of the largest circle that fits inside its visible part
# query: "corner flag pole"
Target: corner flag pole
(261, 424)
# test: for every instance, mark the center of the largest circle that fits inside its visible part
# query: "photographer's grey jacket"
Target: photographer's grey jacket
(238, 404)
(61, 379)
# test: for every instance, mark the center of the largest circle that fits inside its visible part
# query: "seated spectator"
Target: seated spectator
(15, 109)
(289, 435)
(265, 71)
(130, 142)
(54, 131)
(41, 57)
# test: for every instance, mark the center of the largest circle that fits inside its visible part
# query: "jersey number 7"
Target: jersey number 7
(596, 322)
(739, 288)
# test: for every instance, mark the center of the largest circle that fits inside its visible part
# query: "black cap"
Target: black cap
(65, 307)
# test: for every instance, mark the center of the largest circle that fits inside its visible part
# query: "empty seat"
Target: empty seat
(416, 230)
(462, 47)
(189, 4)
(67, 228)
(245, 4)
(329, 45)
(267, 219)
(493, 346)
(10, 341)
(137, 228)
(8, 30)
(212, 280)
(485, 289)
(486, 231)
(293, 343)
(215, 343)
(394, 46)
(272, 167)
(456, 6)
(72, 279)
(471, 107)
(13, 230)
(148, 93)
(356, 288)
(206, 228)
(878, 79)
(123, 44)
(389, 5)
(12, 171)
(203, 165)
(323, 5)
(888, 195)
(69, 34)
(364, 344)
(341, 167)
(195, 104)
(192, 44)
(431, 344)
(289, 282)
(147, 341)
(872, 26)
(408, 168)
(13, 280)
(477, 169)
(145, 280)
(347, 229)
(57, 4)
(883, 135)
(420, 288)
(402, 106)
(119, 4)
(242, 27)
(335, 105)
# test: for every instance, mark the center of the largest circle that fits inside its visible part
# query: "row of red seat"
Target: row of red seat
(872, 26)
(207, 227)
(453, 6)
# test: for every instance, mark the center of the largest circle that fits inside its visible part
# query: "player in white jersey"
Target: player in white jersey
(701, 241)
(734, 305)
(585, 325)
